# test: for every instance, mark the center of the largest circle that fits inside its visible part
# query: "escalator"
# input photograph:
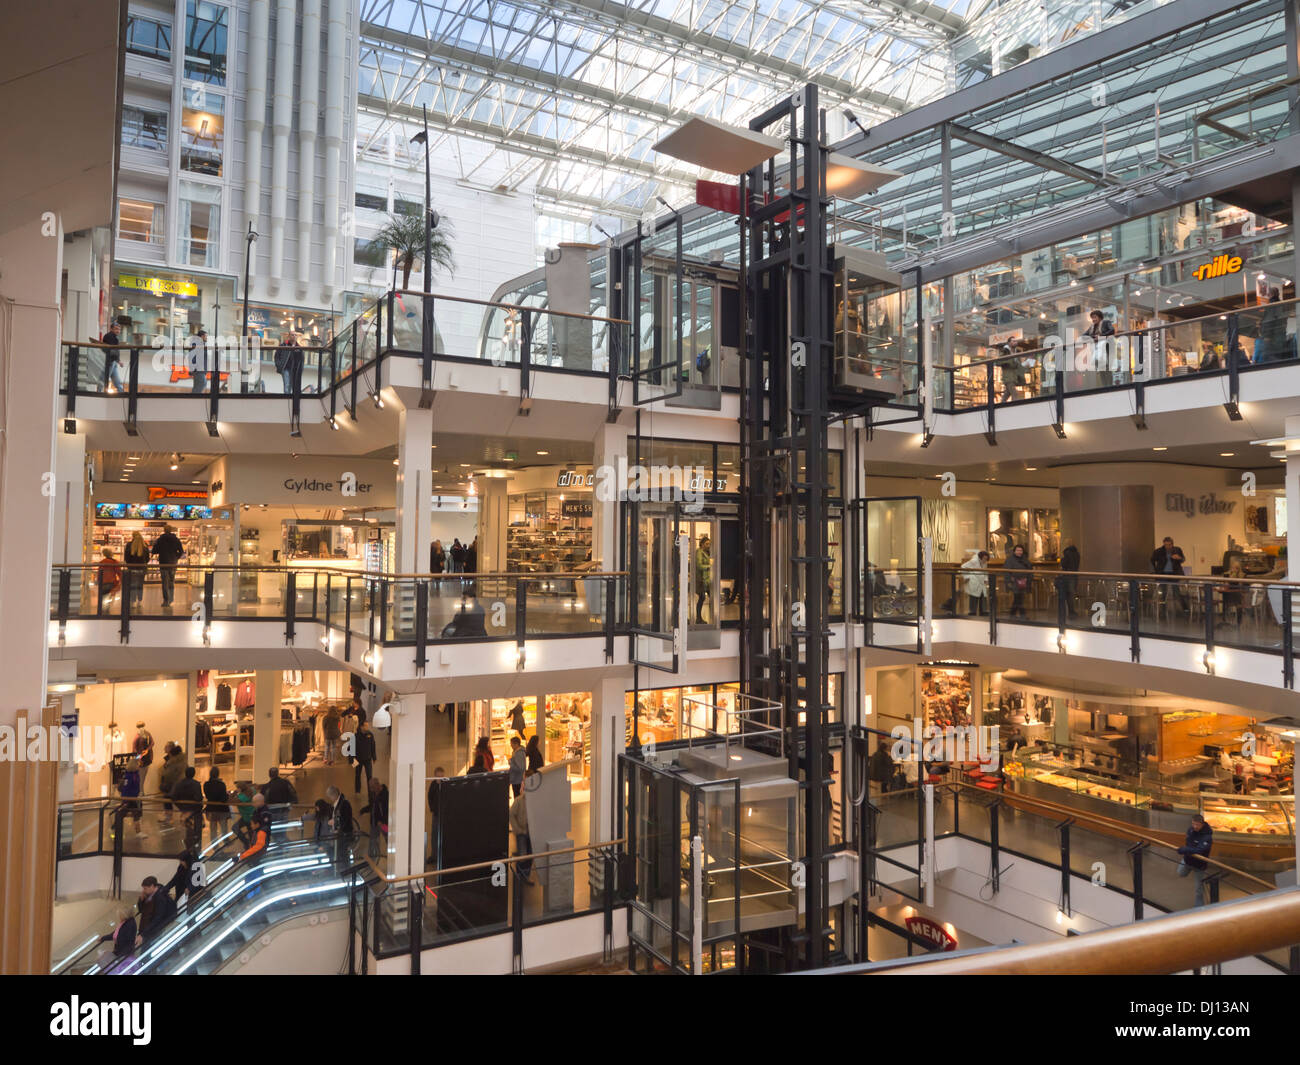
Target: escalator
(238, 905)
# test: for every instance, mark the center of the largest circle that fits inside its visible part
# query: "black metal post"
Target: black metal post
(1137, 851)
(1288, 641)
(1134, 620)
(132, 391)
(249, 240)
(421, 625)
(290, 604)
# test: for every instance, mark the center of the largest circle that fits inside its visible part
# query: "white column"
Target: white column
(259, 29)
(609, 447)
(281, 119)
(31, 278)
(308, 115)
(268, 685)
(335, 73)
(407, 795)
(608, 738)
(493, 517)
(414, 476)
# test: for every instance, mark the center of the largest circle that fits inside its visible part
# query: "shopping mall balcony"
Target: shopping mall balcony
(568, 372)
(398, 629)
(1145, 629)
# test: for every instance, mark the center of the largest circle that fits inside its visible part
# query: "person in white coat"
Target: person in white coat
(977, 583)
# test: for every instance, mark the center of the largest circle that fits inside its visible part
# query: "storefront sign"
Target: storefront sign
(1178, 503)
(576, 508)
(158, 491)
(932, 932)
(158, 286)
(343, 481)
(718, 196)
(1219, 266)
(575, 479)
(347, 485)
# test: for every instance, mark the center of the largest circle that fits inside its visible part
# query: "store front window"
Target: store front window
(149, 36)
(141, 221)
(166, 303)
(203, 129)
(205, 41)
(198, 230)
(144, 128)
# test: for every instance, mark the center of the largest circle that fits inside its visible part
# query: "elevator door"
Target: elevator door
(891, 577)
(654, 558)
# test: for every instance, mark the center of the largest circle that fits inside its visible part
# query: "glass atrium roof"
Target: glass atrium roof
(571, 95)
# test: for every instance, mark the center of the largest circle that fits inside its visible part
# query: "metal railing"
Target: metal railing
(406, 915)
(1246, 613)
(350, 366)
(377, 609)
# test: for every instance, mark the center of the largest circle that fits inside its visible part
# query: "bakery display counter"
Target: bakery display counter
(1248, 817)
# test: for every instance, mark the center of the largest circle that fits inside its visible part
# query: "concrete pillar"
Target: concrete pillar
(30, 280)
(493, 517)
(414, 477)
(608, 738)
(609, 446)
(407, 793)
(31, 266)
(268, 684)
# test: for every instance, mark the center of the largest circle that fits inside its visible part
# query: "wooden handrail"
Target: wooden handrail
(1174, 943)
(1112, 827)
(513, 307)
(1157, 578)
(493, 863)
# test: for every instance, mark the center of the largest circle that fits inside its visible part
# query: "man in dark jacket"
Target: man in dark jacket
(1016, 568)
(880, 767)
(340, 823)
(168, 550)
(277, 790)
(365, 756)
(1070, 560)
(1168, 559)
(187, 794)
(288, 363)
(1195, 849)
(112, 360)
(156, 909)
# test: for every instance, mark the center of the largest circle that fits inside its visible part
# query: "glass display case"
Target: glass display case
(1052, 772)
(1256, 816)
(355, 544)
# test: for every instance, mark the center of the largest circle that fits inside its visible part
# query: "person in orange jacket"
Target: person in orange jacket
(261, 828)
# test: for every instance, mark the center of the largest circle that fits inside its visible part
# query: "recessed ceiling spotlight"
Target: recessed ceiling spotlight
(1226, 454)
(1159, 449)
(543, 452)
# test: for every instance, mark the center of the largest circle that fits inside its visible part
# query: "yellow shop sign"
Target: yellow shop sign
(158, 286)
(1219, 266)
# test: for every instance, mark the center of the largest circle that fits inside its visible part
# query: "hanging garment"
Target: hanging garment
(223, 696)
(244, 696)
(202, 736)
(203, 678)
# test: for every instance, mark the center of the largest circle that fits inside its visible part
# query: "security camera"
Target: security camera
(383, 717)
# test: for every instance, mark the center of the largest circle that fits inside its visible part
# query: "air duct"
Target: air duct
(259, 28)
(281, 119)
(335, 48)
(308, 115)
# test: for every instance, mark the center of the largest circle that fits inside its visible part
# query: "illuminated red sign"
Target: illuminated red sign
(931, 932)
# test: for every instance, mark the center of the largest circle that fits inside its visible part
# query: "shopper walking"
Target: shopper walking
(112, 360)
(108, 577)
(218, 804)
(437, 561)
(703, 576)
(330, 730)
(277, 789)
(1017, 579)
(364, 757)
(880, 767)
(1098, 330)
(533, 752)
(137, 558)
(457, 556)
(340, 823)
(519, 827)
(518, 763)
(182, 881)
(289, 364)
(169, 550)
(129, 788)
(1195, 849)
(1168, 560)
(1065, 585)
(977, 583)
(377, 808)
(196, 358)
(483, 760)
(187, 794)
(171, 773)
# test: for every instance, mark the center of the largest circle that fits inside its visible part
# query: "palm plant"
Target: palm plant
(403, 234)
